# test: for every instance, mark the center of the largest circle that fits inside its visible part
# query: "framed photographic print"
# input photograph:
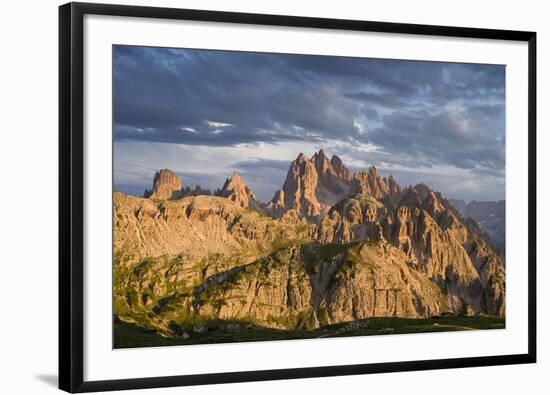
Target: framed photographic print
(239, 188)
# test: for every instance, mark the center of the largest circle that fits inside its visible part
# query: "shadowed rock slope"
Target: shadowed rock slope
(489, 215)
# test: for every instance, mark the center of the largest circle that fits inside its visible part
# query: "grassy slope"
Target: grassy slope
(130, 336)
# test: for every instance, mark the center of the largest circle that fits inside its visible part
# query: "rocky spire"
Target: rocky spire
(422, 190)
(340, 170)
(236, 190)
(426, 259)
(326, 174)
(410, 198)
(393, 186)
(370, 182)
(166, 185)
(432, 205)
(394, 190)
(276, 207)
(299, 187)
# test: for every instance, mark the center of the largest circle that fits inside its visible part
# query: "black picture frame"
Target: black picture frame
(71, 204)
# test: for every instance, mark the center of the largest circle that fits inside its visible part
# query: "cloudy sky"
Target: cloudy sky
(205, 113)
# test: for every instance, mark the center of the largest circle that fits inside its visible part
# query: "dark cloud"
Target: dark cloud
(417, 114)
(161, 96)
(376, 99)
(462, 139)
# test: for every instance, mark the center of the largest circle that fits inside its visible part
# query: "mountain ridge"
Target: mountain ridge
(330, 247)
(489, 215)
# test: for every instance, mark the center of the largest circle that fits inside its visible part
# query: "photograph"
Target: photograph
(277, 196)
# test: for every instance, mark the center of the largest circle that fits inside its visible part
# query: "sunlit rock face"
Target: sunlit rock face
(330, 247)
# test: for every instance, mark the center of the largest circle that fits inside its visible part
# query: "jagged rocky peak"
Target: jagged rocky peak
(394, 191)
(422, 190)
(369, 182)
(340, 169)
(331, 186)
(279, 198)
(166, 185)
(333, 167)
(301, 158)
(432, 204)
(299, 187)
(313, 185)
(412, 256)
(321, 161)
(197, 190)
(430, 201)
(393, 187)
(489, 215)
(276, 206)
(236, 190)
(410, 198)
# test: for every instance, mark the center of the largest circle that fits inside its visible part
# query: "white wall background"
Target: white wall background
(28, 196)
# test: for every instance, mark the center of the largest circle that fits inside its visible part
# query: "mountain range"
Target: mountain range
(332, 246)
(489, 215)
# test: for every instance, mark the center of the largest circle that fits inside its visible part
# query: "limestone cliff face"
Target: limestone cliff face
(393, 187)
(312, 186)
(299, 286)
(333, 178)
(300, 186)
(375, 280)
(350, 282)
(489, 215)
(434, 241)
(276, 207)
(195, 225)
(236, 190)
(370, 183)
(354, 218)
(166, 185)
(334, 247)
(340, 170)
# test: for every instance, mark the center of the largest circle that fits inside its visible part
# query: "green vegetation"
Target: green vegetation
(368, 200)
(315, 253)
(129, 335)
(281, 242)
